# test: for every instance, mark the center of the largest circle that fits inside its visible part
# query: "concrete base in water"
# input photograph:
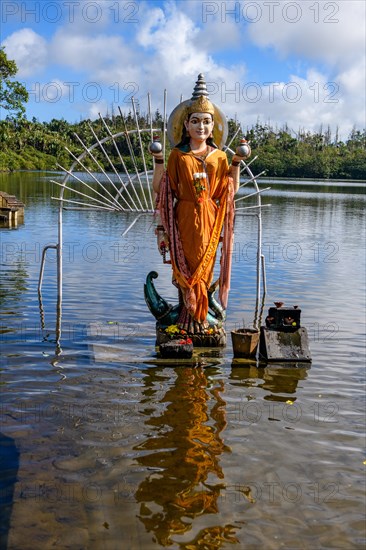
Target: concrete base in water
(210, 340)
(290, 345)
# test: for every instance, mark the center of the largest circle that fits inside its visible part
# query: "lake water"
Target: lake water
(105, 447)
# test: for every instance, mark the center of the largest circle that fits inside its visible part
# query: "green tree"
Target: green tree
(12, 93)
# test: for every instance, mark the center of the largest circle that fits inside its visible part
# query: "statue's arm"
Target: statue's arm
(158, 171)
(234, 171)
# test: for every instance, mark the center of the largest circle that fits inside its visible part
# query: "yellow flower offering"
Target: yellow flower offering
(172, 329)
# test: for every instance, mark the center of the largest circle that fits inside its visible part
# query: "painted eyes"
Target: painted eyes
(206, 121)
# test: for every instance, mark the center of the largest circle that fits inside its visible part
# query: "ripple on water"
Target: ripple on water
(114, 447)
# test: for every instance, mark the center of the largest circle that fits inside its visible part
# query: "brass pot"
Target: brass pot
(245, 342)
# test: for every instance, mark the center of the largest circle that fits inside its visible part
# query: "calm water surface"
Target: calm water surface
(103, 447)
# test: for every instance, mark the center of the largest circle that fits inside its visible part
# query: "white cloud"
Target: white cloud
(353, 81)
(87, 17)
(216, 37)
(172, 44)
(172, 36)
(303, 103)
(93, 110)
(330, 35)
(90, 54)
(53, 91)
(179, 53)
(28, 49)
(332, 32)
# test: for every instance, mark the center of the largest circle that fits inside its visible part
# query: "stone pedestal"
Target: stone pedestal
(214, 339)
(175, 350)
(285, 345)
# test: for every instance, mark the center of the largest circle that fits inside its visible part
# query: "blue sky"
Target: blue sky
(296, 62)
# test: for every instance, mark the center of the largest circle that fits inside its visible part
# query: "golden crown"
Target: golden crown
(200, 105)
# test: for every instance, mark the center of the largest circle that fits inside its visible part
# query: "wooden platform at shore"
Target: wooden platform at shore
(11, 210)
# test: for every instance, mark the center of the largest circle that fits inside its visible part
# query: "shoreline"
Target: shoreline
(273, 179)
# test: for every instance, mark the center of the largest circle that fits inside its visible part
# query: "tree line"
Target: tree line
(308, 154)
(35, 145)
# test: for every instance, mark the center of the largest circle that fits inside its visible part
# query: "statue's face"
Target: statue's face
(199, 126)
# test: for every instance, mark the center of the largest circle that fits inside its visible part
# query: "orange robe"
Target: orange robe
(199, 217)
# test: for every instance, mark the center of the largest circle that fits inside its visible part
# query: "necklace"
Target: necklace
(202, 155)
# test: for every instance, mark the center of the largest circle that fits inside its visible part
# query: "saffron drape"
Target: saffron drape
(194, 219)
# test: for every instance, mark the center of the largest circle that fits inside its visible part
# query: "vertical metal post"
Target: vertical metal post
(259, 264)
(143, 157)
(150, 115)
(59, 274)
(164, 122)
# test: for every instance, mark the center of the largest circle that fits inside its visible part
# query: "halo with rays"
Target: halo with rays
(121, 188)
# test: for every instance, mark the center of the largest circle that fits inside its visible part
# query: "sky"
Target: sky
(300, 63)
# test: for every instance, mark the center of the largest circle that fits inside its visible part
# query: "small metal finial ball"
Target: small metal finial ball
(243, 150)
(155, 146)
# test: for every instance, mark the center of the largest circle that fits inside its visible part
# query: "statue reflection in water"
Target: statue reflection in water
(278, 379)
(184, 450)
(185, 480)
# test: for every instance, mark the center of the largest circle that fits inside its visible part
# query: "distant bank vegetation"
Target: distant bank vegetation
(34, 145)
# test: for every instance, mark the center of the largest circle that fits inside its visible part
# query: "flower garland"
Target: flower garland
(173, 331)
(199, 179)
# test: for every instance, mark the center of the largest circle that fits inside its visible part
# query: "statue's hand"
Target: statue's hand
(236, 159)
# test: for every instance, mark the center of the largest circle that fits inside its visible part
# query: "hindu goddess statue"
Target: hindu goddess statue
(195, 200)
